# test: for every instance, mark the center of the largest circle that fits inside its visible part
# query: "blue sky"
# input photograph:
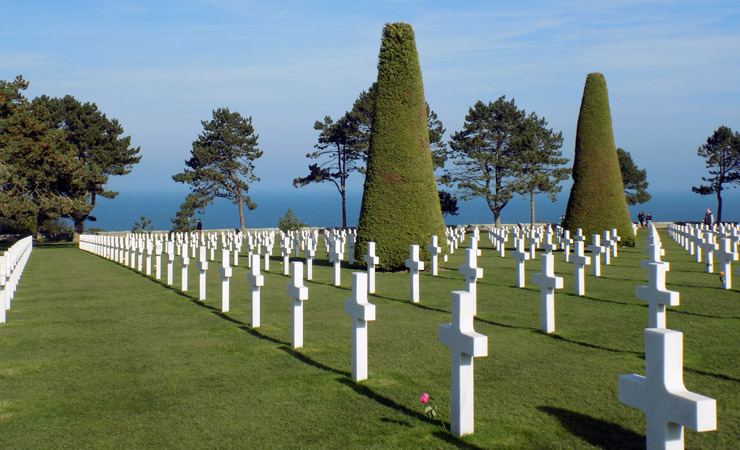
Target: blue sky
(160, 67)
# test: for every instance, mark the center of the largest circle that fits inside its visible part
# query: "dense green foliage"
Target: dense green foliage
(400, 202)
(94, 355)
(56, 157)
(633, 178)
(37, 166)
(222, 161)
(289, 222)
(98, 146)
(722, 156)
(597, 201)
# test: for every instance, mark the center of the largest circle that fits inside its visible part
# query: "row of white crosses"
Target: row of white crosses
(12, 263)
(660, 394)
(720, 241)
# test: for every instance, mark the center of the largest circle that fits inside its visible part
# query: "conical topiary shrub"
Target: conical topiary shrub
(597, 200)
(400, 203)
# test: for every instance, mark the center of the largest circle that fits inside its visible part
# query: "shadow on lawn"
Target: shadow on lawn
(596, 432)
(306, 360)
(388, 403)
(586, 344)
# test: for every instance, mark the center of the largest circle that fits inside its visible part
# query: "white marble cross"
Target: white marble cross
(662, 396)
(256, 281)
(548, 246)
(371, 260)
(309, 249)
(655, 293)
(548, 282)
(520, 255)
(285, 250)
(566, 242)
(434, 251)
(607, 247)
(298, 294)
(580, 261)
(158, 260)
(465, 344)
(202, 268)
(226, 272)
(362, 312)
(615, 242)
(335, 255)
(184, 262)
(596, 250)
(471, 272)
(170, 262)
(149, 252)
(725, 255)
(415, 266)
(474, 243)
(709, 246)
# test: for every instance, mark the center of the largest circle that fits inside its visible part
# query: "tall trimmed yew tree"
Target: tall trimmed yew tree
(597, 201)
(400, 203)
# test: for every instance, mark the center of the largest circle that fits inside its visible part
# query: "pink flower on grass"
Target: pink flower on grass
(431, 409)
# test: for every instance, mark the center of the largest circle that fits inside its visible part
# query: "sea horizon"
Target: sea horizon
(323, 209)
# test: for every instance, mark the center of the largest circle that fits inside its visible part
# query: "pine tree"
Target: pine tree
(597, 200)
(400, 203)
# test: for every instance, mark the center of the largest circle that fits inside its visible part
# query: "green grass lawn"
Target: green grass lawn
(95, 355)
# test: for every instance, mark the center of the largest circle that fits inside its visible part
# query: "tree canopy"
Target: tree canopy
(38, 167)
(633, 178)
(484, 153)
(540, 161)
(97, 144)
(721, 154)
(222, 161)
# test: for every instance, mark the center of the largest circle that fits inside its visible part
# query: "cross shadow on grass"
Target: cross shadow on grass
(257, 334)
(598, 433)
(306, 360)
(709, 374)
(587, 345)
(389, 403)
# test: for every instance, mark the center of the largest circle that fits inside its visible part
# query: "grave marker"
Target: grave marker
(298, 294)
(662, 396)
(471, 272)
(361, 312)
(548, 282)
(371, 260)
(256, 281)
(415, 266)
(465, 344)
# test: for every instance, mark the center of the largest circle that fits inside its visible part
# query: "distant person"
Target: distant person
(199, 227)
(648, 218)
(641, 218)
(708, 218)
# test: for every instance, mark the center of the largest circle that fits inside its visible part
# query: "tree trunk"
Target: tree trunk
(241, 211)
(79, 225)
(719, 206)
(344, 209)
(531, 206)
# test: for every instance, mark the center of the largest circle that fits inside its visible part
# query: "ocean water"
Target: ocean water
(323, 209)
